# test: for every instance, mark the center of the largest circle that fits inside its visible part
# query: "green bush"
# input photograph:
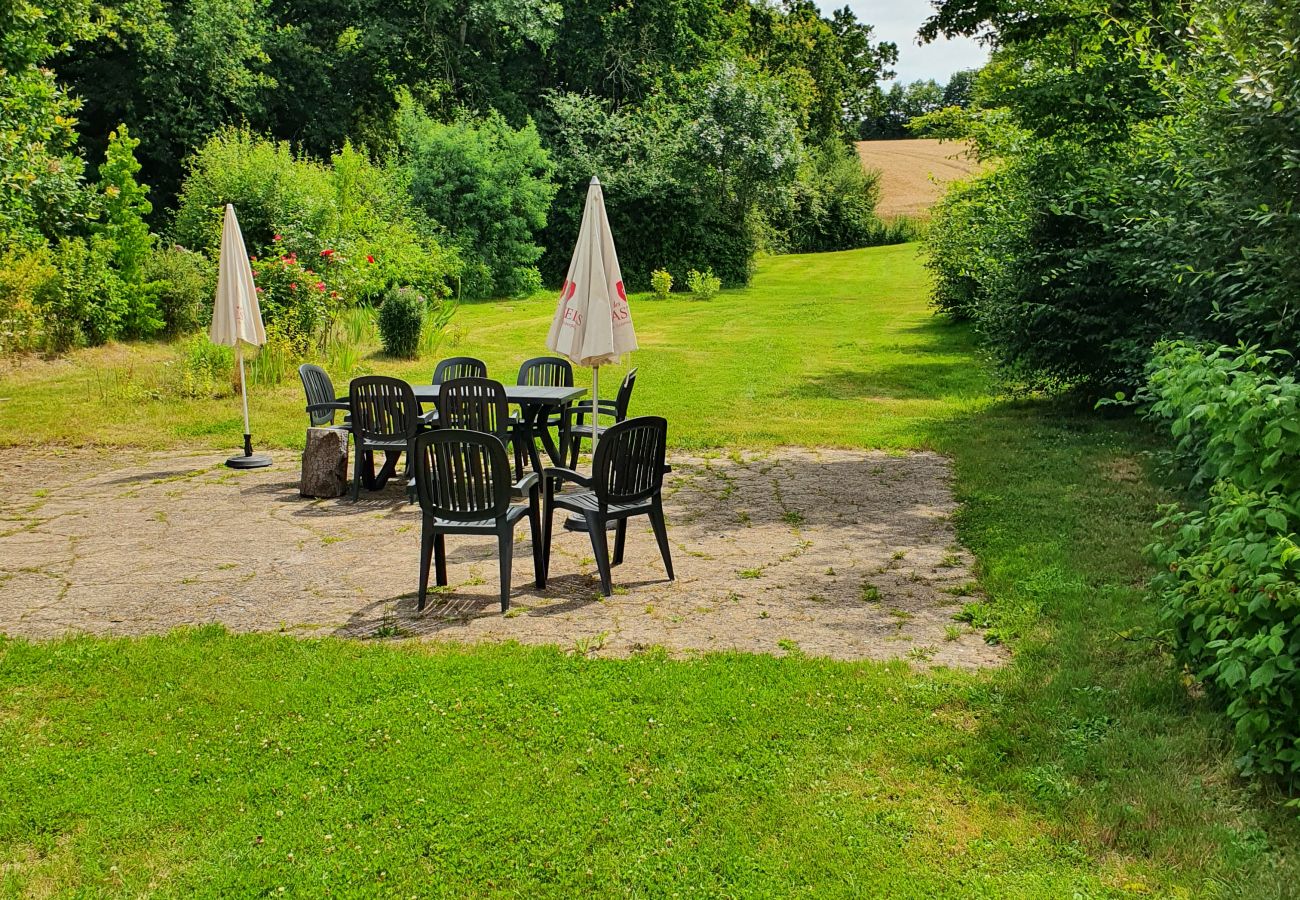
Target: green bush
(490, 186)
(26, 278)
(322, 237)
(84, 300)
(124, 208)
(273, 191)
(401, 322)
(186, 283)
(663, 200)
(661, 282)
(1229, 580)
(974, 237)
(832, 204)
(704, 285)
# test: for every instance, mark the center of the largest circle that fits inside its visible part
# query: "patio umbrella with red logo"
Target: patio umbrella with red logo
(593, 323)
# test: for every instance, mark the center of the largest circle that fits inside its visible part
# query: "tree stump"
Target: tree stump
(325, 463)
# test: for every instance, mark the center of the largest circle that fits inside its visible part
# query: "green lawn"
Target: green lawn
(828, 349)
(234, 765)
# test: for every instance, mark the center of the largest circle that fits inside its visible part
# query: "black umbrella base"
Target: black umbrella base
(578, 523)
(249, 461)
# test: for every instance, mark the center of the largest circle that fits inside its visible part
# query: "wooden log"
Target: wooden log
(325, 463)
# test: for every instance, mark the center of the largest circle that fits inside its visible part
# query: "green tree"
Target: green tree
(490, 186)
(741, 136)
(175, 71)
(40, 173)
(829, 67)
(124, 207)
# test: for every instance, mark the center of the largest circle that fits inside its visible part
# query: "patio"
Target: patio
(837, 553)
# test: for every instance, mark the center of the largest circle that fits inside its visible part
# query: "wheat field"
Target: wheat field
(913, 173)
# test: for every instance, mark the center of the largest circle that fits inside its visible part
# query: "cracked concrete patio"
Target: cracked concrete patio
(837, 553)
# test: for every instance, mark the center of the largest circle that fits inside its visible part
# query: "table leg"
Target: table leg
(390, 466)
(555, 453)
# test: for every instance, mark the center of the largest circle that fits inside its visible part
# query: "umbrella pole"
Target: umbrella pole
(248, 459)
(576, 522)
(595, 409)
(243, 390)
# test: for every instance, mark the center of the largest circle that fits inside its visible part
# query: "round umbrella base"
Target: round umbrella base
(578, 523)
(249, 461)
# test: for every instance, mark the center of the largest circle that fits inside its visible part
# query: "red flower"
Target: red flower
(252, 259)
(334, 294)
(261, 291)
(327, 253)
(275, 237)
(369, 258)
(320, 285)
(293, 285)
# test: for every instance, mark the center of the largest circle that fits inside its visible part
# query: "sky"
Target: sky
(897, 21)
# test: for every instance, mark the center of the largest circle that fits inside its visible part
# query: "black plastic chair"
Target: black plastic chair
(627, 479)
(478, 404)
(385, 416)
(547, 371)
(550, 371)
(576, 428)
(462, 479)
(459, 367)
(322, 404)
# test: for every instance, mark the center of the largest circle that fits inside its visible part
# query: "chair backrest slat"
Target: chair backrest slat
(459, 367)
(629, 461)
(477, 404)
(462, 475)
(624, 398)
(383, 409)
(546, 371)
(317, 386)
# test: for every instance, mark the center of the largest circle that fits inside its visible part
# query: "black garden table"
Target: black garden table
(535, 403)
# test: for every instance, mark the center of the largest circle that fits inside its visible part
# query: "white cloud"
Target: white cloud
(898, 21)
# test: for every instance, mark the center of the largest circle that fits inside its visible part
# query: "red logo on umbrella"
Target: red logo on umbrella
(622, 294)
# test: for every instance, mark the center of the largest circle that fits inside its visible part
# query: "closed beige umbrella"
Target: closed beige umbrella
(593, 323)
(237, 320)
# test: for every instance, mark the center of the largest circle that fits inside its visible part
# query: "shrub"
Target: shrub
(401, 321)
(656, 191)
(832, 204)
(294, 299)
(661, 282)
(1229, 580)
(186, 283)
(704, 285)
(26, 277)
(974, 235)
(124, 208)
(351, 219)
(273, 192)
(490, 186)
(83, 301)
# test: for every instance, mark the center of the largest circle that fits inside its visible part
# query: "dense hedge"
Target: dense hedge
(1141, 186)
(1230, 569)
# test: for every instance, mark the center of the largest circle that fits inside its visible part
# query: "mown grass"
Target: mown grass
(835, 349)
(208, 763)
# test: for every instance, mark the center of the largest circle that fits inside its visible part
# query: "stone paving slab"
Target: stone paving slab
(837, 553)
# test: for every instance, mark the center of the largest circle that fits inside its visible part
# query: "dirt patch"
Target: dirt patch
(914, 173)
(831, 553)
